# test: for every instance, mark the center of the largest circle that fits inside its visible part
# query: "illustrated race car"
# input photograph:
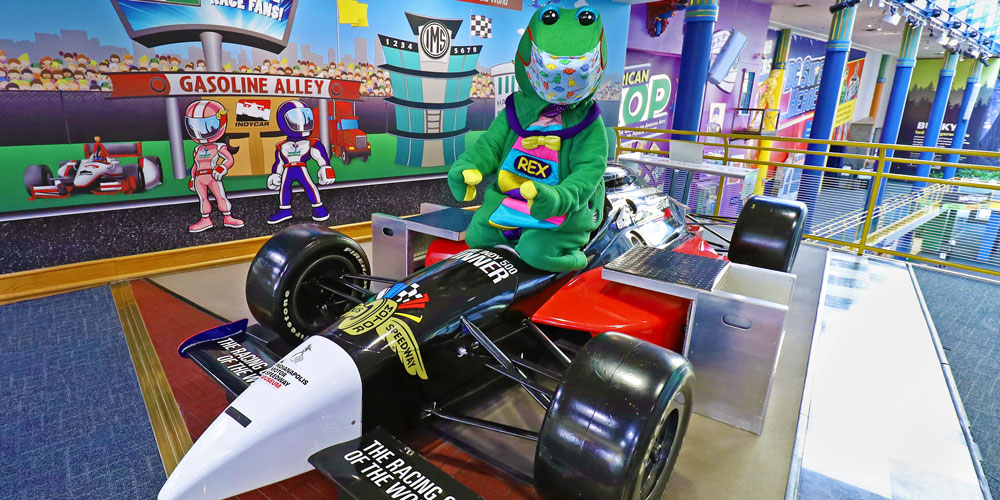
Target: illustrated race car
(100, 173)
(336, 373)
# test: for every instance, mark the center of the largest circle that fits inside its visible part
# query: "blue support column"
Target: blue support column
(837, 49)
(938, 107)
(897, 97)
(696, 54)
(933, 131)
(972, 87)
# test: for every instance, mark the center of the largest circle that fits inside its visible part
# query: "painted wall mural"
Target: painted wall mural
(403, 89)
(982, 133)
(801, 87)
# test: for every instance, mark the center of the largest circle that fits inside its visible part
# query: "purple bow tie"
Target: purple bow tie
(554, 110)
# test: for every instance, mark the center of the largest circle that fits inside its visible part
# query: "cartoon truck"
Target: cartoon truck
(347, 140)
(101, 172)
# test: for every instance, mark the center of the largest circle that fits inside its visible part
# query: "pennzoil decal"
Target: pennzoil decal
(385, 316)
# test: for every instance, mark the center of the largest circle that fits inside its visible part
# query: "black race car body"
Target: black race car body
(309, 386)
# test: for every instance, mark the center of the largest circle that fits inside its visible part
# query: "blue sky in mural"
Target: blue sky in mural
(315, 24)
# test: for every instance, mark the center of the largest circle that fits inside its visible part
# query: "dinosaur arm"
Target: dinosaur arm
(484, 157)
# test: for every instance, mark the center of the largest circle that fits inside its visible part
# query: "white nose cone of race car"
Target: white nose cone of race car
(309, 400)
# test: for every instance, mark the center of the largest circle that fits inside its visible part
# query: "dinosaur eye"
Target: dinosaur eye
(549, 16)
(586, 17)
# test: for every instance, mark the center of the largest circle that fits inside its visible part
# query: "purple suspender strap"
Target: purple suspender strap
(566, 133)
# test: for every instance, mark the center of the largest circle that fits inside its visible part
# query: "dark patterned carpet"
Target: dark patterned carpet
(72, 421)
(966, 313)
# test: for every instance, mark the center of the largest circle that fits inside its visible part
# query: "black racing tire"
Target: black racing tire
(768, 232)
(344, 157)
(364, 159)
(288, 286)
(616, 424)
(37, 175)
(134, 173)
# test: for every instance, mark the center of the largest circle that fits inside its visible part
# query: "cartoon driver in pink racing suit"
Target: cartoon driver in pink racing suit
(205, 121)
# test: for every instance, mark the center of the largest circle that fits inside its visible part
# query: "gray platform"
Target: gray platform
(878, 416)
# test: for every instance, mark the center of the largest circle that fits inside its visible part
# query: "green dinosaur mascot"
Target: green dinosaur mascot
(548, 148)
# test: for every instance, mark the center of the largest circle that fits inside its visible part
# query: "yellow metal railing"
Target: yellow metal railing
(854, 220)
(851, 210)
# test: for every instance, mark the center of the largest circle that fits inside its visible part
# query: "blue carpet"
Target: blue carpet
(72, 419)
(966, 313)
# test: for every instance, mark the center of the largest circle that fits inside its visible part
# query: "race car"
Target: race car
(337, 373)
(101, 172)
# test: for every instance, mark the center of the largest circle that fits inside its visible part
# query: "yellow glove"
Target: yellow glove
(529, 192)
(472, 178)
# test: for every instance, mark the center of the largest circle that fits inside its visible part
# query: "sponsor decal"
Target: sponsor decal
(253, 110)
(532, 167)
(297, 357)
(240, 361)
(435, 39)
(281, 375)
(385, 314)
(379, 466)
(490, 263)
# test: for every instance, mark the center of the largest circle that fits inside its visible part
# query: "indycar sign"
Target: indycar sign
(230, 84)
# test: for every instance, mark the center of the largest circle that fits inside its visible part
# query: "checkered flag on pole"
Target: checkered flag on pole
(481, 26)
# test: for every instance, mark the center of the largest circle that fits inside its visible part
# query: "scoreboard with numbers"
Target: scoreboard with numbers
(431, 83)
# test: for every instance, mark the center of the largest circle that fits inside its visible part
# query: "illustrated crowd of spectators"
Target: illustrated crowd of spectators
(70, 71)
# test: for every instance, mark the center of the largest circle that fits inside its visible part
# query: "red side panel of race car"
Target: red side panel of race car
(698, 246)
(591, 304)
(441, 249)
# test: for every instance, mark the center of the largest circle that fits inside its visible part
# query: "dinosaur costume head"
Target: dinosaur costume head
(562, 54)
(548, 148)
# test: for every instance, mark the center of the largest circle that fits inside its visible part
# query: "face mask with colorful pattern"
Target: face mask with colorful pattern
(565, 79)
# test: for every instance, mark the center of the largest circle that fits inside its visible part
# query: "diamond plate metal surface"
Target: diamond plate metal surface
(670, 267)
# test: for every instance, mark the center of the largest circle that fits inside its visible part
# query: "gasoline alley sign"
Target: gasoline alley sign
(230, 84)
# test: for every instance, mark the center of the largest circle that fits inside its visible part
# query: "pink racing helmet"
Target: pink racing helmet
(205, 121)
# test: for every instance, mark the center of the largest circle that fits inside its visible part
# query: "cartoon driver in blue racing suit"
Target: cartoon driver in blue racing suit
(295, 120)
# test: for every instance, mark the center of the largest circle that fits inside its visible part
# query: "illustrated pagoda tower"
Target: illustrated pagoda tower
(431, 83)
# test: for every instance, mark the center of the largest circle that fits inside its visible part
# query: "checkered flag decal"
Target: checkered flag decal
(409, 293)
(481, 26)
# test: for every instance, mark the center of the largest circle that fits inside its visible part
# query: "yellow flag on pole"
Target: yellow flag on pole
(353, 12)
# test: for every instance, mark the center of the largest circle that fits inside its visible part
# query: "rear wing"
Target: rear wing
(231, 355)
(117, 149)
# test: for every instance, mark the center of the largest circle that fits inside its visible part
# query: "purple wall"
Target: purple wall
(747, 16)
